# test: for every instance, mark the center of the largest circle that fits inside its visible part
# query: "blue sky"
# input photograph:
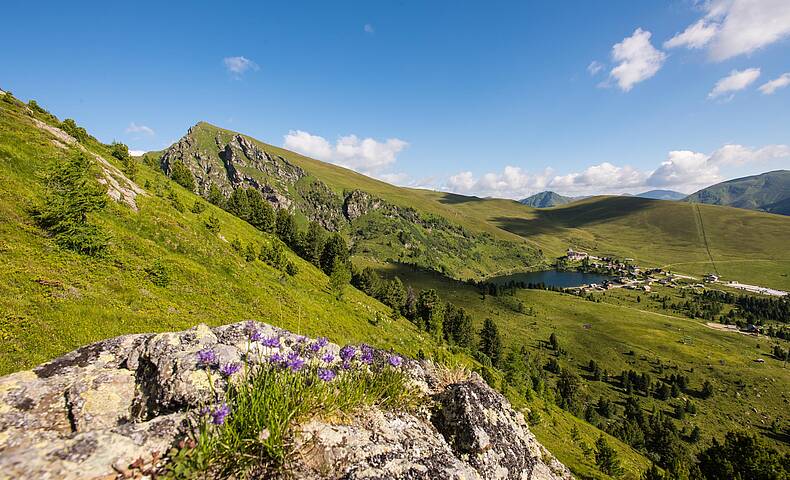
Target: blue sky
(488, 98)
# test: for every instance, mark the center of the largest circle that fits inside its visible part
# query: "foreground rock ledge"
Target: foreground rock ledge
(95, 411)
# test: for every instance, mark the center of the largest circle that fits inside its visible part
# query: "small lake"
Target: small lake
(552, 278)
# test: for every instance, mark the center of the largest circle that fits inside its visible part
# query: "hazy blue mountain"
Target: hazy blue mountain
(662, 195)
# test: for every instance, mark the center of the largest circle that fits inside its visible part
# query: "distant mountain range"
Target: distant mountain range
(549, 199)
(662, 195)
(546, 199)
(767, 192)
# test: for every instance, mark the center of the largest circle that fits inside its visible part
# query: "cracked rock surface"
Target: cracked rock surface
(93, 412)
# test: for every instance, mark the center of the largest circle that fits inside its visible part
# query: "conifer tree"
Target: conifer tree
(72, 194)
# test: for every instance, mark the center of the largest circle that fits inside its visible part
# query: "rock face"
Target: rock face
(122, 403)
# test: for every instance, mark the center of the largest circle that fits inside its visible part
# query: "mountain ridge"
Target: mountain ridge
(768, 192)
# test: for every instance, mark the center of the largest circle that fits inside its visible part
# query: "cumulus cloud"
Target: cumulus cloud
(594, 67)
(365, 155)
(136, 153)
(512, 182)
(696, 35)
(682, 170)
(239, 65)
(735, 27)
(637, 60)
(134, 128)
(603, 177)
(737, 80)
(768, 88)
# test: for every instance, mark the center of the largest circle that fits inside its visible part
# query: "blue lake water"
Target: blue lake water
(553, 278)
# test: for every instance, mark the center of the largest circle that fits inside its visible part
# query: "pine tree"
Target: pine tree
(490, 341)
(121, 152)
(238, 204)
(606, 458)
(395, 295)
(181, 174)
(261, 213)
(314, 240)
(335, 253)
(72, 194)
(215, 196)
(338, 279)
(429, 312)
(286, 228)
(410, 305)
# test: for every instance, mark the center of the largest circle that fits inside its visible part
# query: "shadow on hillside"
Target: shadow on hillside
(574, 215)
(779, 437)
(455, 199)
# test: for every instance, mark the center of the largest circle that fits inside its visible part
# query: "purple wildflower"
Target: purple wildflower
(218, 415)
(395, 360)
(346, 365)
(295, 362)
(314, 347)
(276, 358)
(273, 342)
(207, 357)
(347, 352)
(367, 354)
(301, 338)
(328, 357)
(252, 331)
(229, 369)
(326, 375)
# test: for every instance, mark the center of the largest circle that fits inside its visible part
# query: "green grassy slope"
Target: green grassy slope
(744, 245)
(768, 192)
(53, 301)
(741, 245)
(748, 394)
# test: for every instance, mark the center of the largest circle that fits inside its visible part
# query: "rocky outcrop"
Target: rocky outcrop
(119, 405)
(119, 187)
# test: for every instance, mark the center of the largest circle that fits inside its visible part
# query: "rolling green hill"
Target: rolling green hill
(470, 237)
(545, 200)
(768, 192)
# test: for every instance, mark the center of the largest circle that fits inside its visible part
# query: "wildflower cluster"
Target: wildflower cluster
(294, 355)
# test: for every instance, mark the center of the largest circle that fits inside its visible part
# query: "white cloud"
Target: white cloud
(739, 155)
(696, 35)
(769, 88)
(683, 170)
(368, 28)
(239, 65)
(603, 178)
(365, 155)
(134, 128)
(512, 182)
(735, 81)
(735, 27)
(136, 153)
(688, 171)
(594, 67)
(637, 60)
